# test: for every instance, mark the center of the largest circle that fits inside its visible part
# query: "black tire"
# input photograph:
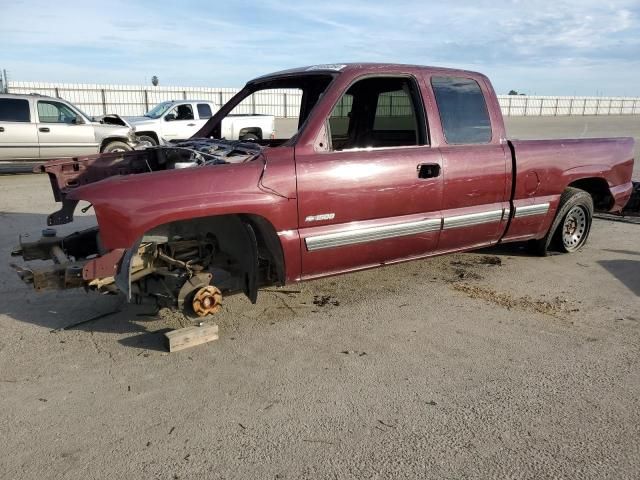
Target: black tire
(249, 137)
(571, 226)
(116, 146)
(147, 138)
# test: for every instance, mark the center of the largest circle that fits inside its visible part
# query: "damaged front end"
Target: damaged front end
(175, 263)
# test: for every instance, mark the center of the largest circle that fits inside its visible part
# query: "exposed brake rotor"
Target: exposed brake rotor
(207, 301)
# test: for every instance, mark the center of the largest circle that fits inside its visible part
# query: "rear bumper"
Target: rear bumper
(632, 206)
(622, 195)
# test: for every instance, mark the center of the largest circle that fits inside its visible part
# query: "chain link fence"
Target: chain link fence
(133, 100)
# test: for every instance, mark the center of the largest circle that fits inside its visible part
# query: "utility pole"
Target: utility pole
(4, 84)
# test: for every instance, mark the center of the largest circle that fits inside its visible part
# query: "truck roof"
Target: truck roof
(366, 68)
(27, 95)
(189, 100)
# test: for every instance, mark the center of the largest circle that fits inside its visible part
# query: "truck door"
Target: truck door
(60, 134)
(372, 193)
(18, 133)
(475, 166)
(179, 122)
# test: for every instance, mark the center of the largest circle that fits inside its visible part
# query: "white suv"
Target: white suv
(181, 119)
(37, 127)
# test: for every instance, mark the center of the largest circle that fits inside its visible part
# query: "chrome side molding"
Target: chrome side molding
(528, 210)
(473, 219)
(370, 234)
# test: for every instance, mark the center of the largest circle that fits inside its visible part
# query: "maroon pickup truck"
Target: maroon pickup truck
(389, 163)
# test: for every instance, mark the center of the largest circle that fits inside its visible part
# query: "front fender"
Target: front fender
(127, 207)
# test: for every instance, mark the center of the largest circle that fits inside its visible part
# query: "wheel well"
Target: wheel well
(151, 134)
(107, 141)
(249, 247)
(598, 188)
(269, 244)
(257, 131)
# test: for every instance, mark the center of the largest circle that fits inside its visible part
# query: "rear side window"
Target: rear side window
(14, 110)
(463, 110)
(204, 110)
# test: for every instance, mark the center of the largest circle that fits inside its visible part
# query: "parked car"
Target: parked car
(180, 119)
(35, 127)
(390, 163)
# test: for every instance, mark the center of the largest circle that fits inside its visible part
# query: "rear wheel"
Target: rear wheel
(575, 228)
(116, 146)
(572, 225)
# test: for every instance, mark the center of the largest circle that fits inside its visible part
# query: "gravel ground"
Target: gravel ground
(491, 364)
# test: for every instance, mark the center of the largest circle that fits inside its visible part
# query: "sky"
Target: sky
(562, 47)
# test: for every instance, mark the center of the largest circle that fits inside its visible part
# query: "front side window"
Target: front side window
(55, 112)
(14, 110)
(339, 121)
(180, 112)
(204, 110)
(463, 110)
(378, 112)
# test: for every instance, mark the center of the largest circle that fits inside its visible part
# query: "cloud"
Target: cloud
(225, 43)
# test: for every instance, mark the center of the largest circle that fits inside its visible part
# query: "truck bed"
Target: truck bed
(553, 164)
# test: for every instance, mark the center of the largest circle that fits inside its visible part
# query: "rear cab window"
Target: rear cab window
(204, 110)
(463, 110)
(14, 110)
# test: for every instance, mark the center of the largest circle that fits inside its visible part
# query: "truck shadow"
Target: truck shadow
(509, 249)
(624, 252)
(626, 271)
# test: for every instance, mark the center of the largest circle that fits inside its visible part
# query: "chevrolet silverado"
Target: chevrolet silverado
(389, 163)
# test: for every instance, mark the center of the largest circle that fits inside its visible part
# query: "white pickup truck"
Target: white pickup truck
(180, 119)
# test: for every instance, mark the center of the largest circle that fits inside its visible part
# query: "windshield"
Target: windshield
(158, 110)
(289, 97)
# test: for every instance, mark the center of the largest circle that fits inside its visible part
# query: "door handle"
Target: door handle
(1, 129)
(44, 129)
(428, 170)
(191, 124)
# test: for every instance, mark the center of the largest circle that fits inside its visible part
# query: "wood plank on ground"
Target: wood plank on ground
(191, 336)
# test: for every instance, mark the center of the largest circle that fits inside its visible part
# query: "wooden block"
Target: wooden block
(191, 336)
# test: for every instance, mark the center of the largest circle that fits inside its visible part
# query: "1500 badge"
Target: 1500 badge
(322, 216)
